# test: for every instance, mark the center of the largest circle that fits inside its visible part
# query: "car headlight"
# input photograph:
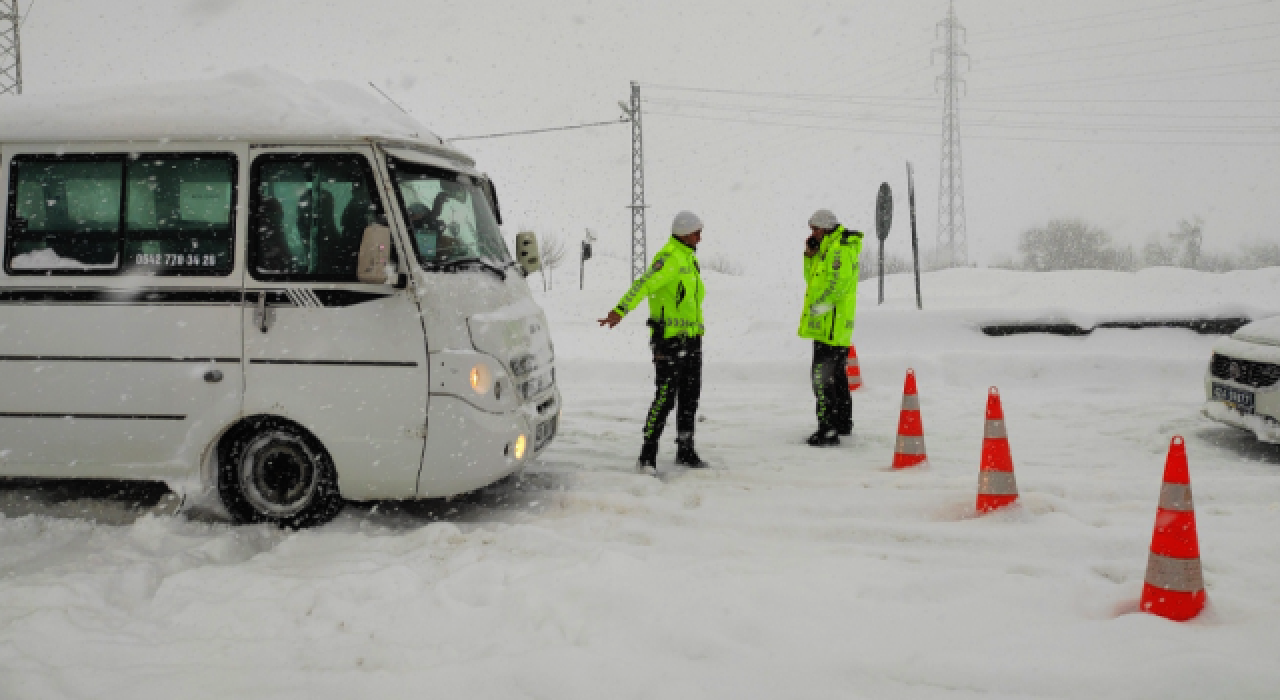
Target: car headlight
(481, 379)
(522, 443)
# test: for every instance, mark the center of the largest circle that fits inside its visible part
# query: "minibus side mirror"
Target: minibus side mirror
(375, 255)
(527, 253)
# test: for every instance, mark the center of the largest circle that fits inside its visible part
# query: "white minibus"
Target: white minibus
(282, 313)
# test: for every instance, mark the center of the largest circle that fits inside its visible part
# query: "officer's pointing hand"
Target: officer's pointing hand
(611, 320)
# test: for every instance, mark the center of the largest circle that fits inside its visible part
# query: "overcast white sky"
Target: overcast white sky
(1132, 114)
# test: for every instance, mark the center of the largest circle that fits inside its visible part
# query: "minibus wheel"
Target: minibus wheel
(272, 471)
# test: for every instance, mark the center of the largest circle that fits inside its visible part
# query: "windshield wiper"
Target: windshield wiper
(455, 265)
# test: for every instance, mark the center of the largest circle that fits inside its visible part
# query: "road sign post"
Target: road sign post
(884, 220)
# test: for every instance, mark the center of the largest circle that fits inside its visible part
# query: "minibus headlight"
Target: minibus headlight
(481, 379)
(521, 443)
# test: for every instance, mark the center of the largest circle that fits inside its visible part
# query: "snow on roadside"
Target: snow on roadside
(783, 572)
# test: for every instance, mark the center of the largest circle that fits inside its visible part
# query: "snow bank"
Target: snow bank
(752, 320)
(784, 572)
(251, 103)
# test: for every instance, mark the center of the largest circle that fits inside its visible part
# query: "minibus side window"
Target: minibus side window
(309, 215)
(64, 215)
(102, 214)
(179, 214)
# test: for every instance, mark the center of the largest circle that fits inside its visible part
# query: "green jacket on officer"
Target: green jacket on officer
(673, 286)
(830, 303)
(831, 292)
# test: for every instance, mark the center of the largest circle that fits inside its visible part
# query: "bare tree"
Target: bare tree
(1158, 254)
(1067, 244)
(721, 263)
(554, 252)
(1191, 235)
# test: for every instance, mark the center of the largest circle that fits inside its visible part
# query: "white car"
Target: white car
(1242, 385)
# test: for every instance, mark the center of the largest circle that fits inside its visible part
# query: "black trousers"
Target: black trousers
(831, 387)
(678, 362)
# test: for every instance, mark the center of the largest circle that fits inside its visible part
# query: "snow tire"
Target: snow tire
(272, 471)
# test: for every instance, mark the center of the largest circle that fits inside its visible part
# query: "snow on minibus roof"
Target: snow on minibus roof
(253, 104)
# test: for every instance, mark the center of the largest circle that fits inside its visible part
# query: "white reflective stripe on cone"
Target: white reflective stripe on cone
(1173, 574)
(909, 445)
(850, 362)
(1176, 497)
(910, 402)
(995, 429)
(997, 484)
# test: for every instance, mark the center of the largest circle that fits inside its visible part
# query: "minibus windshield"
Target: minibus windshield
(450, 217)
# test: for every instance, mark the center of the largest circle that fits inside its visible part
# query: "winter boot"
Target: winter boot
(845, 430)
(686, 456)
(825, 437)
(648, 462)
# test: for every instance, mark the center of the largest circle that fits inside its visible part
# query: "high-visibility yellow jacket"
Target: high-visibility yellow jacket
(673, 286)
(831, 297)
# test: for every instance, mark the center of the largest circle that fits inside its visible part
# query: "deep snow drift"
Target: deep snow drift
(783, 572)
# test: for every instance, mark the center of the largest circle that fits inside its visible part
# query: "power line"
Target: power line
(846, 115)
(907, 101)
(537, 131)
(971, 136)
(1083, 18)
(788, 95)
(1134, 79)
(1144, 52)
(815, 127)
(1158, 17)
(1200, 32)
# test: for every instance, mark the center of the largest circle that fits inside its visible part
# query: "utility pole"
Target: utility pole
(952, 237)
(639, 254)
(10, 48)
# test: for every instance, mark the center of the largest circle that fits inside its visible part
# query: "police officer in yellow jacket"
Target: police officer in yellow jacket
(673, 286)
(830, 301)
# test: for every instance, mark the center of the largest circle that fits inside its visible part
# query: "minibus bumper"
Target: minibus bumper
(468, 448)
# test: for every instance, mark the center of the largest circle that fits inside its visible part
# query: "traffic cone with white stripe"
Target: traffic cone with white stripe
(908, 449)
(996, 486)
(852, 370)
(1174, 586)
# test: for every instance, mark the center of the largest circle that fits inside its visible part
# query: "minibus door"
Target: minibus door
(343, 359)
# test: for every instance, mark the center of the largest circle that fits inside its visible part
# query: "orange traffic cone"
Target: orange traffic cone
(1174, 585)
(853, 370)
(908, 449)
(996, 486)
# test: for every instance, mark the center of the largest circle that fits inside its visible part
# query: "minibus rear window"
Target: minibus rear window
(65, 215)
(148, 214)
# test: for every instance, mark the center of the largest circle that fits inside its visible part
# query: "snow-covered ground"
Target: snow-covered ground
(783, 572)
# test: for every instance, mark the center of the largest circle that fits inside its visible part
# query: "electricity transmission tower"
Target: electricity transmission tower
(639, 255)
(10, 49)
(953, 240)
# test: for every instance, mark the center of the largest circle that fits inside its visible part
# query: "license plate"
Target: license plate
(544, 432)
(1238, 399)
